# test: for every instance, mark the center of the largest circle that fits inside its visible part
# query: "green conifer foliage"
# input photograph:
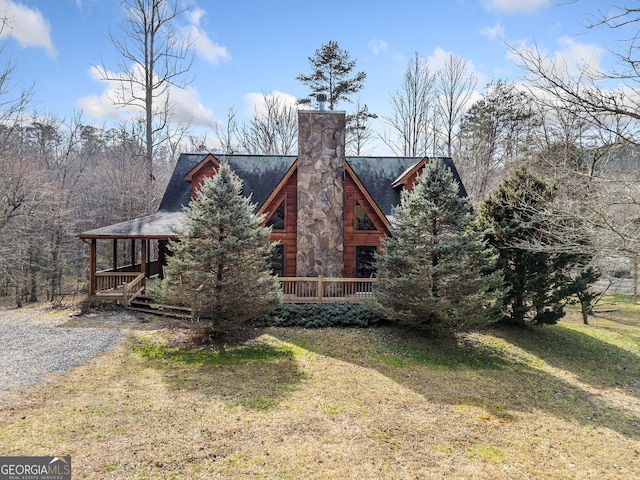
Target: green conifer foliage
(539, 272)
(436, 272)
(331, 75)
(220, 264)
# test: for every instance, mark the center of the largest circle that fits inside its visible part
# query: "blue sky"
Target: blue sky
(245, 48)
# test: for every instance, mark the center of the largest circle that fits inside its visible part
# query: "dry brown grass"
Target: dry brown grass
(555, 403)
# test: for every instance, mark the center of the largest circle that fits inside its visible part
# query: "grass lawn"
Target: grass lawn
(559, 402)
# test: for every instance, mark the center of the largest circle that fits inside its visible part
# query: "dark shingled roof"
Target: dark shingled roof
(160, 225)
(377, 174)
(261, 174)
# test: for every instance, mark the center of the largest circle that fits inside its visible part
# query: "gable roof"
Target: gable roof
(404, 178)
(261, 175)
(378, 174)
(354, 176)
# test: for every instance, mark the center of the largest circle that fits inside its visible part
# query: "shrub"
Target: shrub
(319, 315)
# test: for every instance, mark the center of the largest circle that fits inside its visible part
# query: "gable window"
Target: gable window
(277, 261)
(363, 222)
(276, 220)
(365, 262)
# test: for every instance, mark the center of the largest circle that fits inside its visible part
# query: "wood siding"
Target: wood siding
(409, 180)
(358, 238)
(287, 237)
(206, 168)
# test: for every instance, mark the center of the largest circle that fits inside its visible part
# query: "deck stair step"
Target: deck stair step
(145, 304)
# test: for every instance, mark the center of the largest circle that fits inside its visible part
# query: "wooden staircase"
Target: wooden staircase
(144, 304)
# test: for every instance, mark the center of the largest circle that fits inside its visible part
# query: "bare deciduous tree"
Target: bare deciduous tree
(227, 133)
(359, 133)
(606, 105)
(455, 85)
(273, 130)
(14, 188)
(154, 58)
(412, 115)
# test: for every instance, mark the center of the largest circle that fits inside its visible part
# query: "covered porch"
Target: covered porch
(126, 257)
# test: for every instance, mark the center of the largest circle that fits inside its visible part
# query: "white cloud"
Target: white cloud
(255, 101)
(570, 59)
(207, 49)
(196, 15)
(27, 26)
(516, 6)
(497, 31)
(102, 106)
(186, 105)
(400, 59)
(377, 46)
(437, 59)
(581, 54)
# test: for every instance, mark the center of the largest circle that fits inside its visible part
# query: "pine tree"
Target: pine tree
(330, 76)
(436, 272)
(220, 264)
(539, 271)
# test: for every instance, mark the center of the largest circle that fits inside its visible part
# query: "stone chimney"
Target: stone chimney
(320, 239)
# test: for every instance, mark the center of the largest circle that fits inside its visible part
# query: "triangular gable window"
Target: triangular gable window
(276, 220)
(363, 222)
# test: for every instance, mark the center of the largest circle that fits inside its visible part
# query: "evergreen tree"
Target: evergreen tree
(495, 134)
(436, 272)
(539, 270)
(331, 69)
(220, 264)
(581, 285)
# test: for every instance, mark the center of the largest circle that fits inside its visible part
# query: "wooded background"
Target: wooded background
(580, 131)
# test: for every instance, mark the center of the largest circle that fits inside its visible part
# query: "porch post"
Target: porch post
(143, 260)
(162, 256)
(115, 254)
(320, 291)
(147, 268)
(92, 267)
(133, 254)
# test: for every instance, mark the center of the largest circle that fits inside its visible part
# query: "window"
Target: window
(365, 262)
(277, 261)
(276, 220)
(363, 222)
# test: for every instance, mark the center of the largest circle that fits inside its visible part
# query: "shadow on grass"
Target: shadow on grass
(481, 371)
(254, 375)
(593, 361)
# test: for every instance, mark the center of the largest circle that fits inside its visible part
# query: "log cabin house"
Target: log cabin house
(328, 212)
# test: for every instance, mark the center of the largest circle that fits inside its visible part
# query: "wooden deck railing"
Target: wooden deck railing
(124, 286)
(119, 285)
(132, 289)
(329, 289)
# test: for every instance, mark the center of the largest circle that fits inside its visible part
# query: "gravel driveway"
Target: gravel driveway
(31, 348)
